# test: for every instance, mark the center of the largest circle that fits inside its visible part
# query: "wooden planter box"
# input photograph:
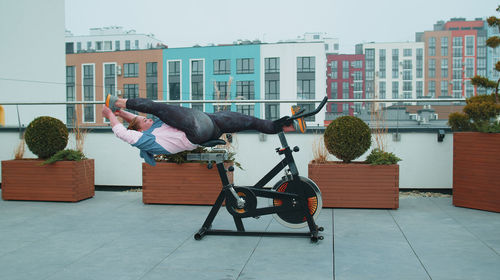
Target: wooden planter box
(357, 185)
(27, 179)
(476, 170)
(187, 183)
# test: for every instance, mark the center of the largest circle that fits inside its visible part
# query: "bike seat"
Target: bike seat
(211, 143)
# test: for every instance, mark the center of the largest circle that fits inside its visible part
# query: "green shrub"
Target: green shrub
(46, 136)
(379, 157)
(68, 154)
(478, 115)
(347, 138)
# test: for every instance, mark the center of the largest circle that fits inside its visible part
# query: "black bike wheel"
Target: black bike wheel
(302, 187)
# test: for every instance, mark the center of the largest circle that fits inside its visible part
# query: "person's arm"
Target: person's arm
(127, 116)
(129, 136)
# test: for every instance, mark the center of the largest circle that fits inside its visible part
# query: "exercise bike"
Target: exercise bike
(295, 200)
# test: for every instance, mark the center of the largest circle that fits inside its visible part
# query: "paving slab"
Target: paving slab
(115, 236)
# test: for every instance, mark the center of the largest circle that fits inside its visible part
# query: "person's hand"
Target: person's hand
(106, 112)
(117, 113)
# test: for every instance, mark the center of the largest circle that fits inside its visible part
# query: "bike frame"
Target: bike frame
(259, 191)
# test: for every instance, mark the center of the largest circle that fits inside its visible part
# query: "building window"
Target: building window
(174, 68)
(334, 90)
(345, 69)
(345, 90)
(109, 79)
(79, 47)
(444, 68)
(117, 45)
(89, 45)
(174, 80)
(222, 66)
(406, 52)
(131, 70)
(98, 45)
(395, 90)
(444, 88)
(272, 65)
(136, 44)
(469, 67)
(221, 92)
(432, 46)
(152, 80)
(420, 89)
(370, 54)
(306, 64)
(245, 109)
(127, 45)
(244, 66)
(432, 68)
(272, 111)
(457, 46)
(245, 90)
(131, 91)
(70, 95)
(272, 92)
(381, 90)
(432, 89)
(306, 89)
(197, 67)
(88, 93)
(444, 46)
(469, 45)
(107, 46)
(357, 64)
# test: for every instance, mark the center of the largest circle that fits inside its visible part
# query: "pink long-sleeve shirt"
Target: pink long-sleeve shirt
(160, 138)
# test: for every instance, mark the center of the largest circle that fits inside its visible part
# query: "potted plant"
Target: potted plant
(174, 180)
(476, 149)
(57, 174)
(350, 184)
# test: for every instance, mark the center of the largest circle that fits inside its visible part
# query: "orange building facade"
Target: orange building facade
(455, 52)
(92, 76)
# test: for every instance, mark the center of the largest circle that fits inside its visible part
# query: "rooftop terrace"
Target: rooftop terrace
(115, 236)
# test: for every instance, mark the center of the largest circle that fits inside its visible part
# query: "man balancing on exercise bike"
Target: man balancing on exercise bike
(178, 128)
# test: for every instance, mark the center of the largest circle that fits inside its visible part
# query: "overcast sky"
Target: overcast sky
(184, 23)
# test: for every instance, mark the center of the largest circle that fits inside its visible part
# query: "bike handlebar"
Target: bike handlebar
(303, 114)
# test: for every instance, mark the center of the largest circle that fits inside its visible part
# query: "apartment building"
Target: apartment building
(92, 76)
(393, 70)
(455, 52)
(345, 80)
(293, 71)
(112, 38)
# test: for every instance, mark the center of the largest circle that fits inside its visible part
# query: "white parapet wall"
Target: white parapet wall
(426, 163)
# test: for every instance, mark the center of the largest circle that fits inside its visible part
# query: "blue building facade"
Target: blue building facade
(214, 73)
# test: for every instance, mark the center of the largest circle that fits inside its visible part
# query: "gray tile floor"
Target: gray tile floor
(115, 236)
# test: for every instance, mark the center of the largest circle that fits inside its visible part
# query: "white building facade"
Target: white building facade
(113, 38)
(394, 70)
(32, 74)
(293, 71)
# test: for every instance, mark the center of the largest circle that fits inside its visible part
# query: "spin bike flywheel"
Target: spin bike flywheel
(304, 187)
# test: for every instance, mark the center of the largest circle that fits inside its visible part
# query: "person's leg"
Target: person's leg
(229, 122)
(197, 125)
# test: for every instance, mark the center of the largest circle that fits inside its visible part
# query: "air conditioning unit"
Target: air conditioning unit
(119, 70)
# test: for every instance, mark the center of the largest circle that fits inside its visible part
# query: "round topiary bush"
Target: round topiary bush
(46, 136)
(347, 138)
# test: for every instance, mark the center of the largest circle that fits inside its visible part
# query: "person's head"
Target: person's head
(140, 123)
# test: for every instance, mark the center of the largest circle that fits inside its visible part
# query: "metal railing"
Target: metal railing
(252, 101)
